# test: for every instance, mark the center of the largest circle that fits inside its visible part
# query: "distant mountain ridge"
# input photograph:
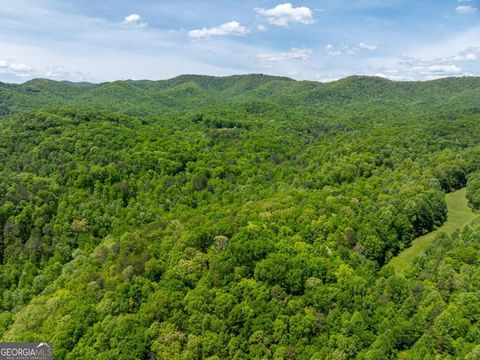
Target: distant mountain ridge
(186, 92)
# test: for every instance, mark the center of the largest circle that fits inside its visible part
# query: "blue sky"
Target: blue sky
(316, 40)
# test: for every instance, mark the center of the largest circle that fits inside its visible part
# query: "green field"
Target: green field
(459, 214)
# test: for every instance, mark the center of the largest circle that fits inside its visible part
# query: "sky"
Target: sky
(106, 40)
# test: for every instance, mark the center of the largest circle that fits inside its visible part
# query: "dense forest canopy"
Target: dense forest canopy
(246, 217)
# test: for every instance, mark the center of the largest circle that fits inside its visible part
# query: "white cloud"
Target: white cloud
(456, 55)
(262, 28)
(284, 14)
(331, 51)
(293, 54)
(466, 9)
(135, 20)
(429, 68)
(467, 55)
(366, 46)
(230, 28)
(411, 67)
(394, 75)
(439, 70)
(470, 57)
(13, 67)
(59, 72)
(132, 18)
(328, 78)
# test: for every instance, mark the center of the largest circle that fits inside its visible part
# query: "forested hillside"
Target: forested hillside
(247, 217)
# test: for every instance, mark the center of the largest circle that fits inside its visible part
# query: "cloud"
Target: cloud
(410, 67)
(394, 75)
(13, 67)
(21, 70)
(135, 20)
(430, 68)
(467, 55)
(284, 14)
(439, 70)
(331, 51)
(230, 28)
(466, 9)
(470, 57)
(63, 72)
(293, 54)
(261, 28)
(366, 46)
(327, 78)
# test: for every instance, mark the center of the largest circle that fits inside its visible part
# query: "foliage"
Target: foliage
(247, 217)
(473, 190)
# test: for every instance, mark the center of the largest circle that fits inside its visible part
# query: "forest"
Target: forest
(242, 217)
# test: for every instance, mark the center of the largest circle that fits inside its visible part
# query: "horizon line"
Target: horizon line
(278, 77)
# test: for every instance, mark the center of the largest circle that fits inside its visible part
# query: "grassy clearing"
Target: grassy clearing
(459, 214)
